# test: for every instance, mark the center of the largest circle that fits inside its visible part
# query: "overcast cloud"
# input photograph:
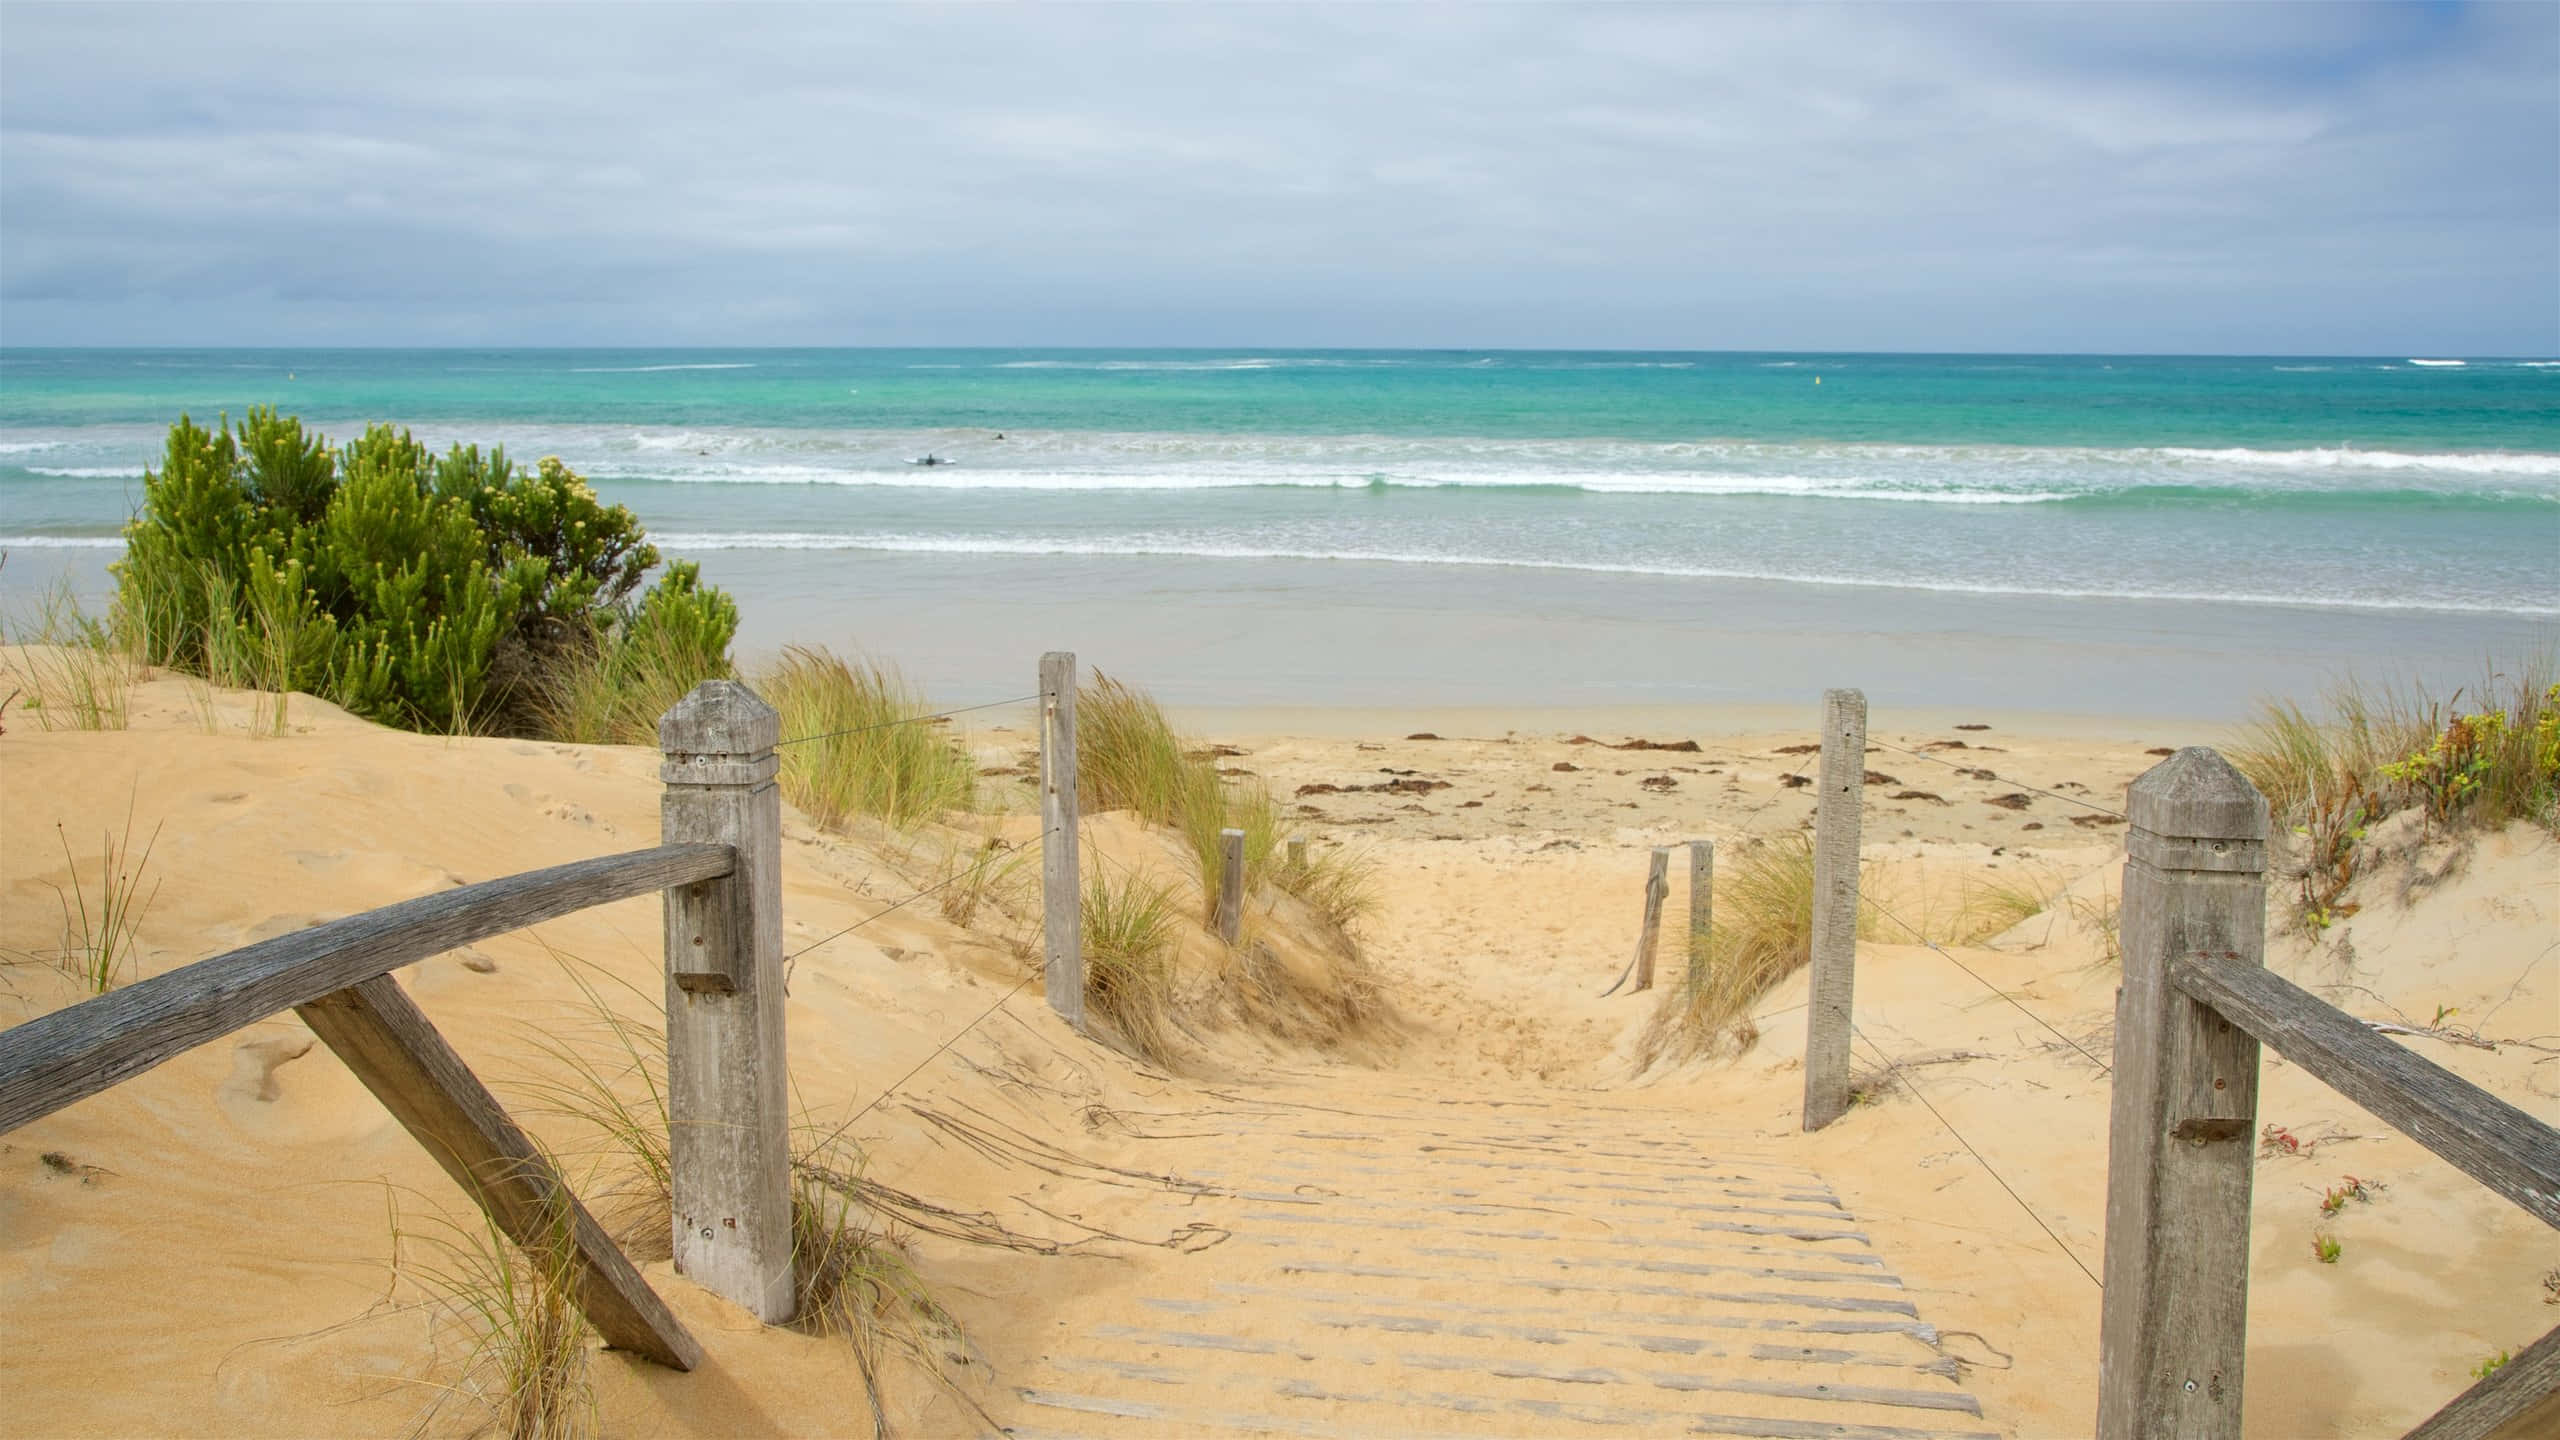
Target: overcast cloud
(2251, 178)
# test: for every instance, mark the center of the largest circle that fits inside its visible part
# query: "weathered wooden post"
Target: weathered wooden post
(1657, 884)
(1230, 885)
(1297, 856)
(1061, 886)
(2182, 1133)
(728, 1083)
(1702, 909)
(1835, 906)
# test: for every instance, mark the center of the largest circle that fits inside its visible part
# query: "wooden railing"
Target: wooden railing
(2197, 1003)
(727, 1117)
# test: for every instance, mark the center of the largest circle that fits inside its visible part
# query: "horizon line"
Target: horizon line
(2399, 354)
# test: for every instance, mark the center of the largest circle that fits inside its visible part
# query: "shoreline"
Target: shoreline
(1230, 642)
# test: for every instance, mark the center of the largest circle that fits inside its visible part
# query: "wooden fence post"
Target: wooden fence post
(2182, 1132)
(1702, 909)
(1230, 885)
(1298, 855)
(1061, 885)
(1657, 884)
(728, 1081)
(1835, 906)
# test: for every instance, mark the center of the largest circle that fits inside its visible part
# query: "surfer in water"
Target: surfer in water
(930, 459)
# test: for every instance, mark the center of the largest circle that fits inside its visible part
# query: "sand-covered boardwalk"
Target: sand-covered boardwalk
(1421, 1262)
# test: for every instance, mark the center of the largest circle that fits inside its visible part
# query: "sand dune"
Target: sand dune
(1446, 1230)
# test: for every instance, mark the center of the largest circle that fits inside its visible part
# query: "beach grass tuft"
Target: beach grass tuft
(1339, 885)
(101, 933)
(73, 667)
(2485, 756)
(611, 690)
(972, 880)
(1130, 931)
(1763, 933)
(527, 1367)
(1994, 906)
(877, 756)
(1315, 995)
(855, 1279)
(1130, 757)
(2101, 917)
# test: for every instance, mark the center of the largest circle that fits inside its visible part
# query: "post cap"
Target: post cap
(2196, 794)
(720, 717)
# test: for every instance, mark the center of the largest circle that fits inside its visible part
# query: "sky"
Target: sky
(2266, 178)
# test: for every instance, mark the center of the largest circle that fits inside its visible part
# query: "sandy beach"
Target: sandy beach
(209, 1248)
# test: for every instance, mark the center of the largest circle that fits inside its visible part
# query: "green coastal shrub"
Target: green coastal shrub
(441, 593)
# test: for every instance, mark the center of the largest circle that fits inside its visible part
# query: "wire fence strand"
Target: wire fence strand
(2103, 1067)
(908, 720)
(956, 1037)
(1913, 1086)
(991, 857)
(2021, 784)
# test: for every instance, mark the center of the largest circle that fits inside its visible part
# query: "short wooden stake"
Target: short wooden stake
(1230, 885)
(1835, 906)
(1061, 886)
(1298, 856)
(728, 1080)
(1657, 884)
(2182, 1130)
(1702, 909)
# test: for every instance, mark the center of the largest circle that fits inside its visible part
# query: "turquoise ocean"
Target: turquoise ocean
(2093, 534)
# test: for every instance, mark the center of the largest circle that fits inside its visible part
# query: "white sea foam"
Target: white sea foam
(29, 447)
(87, 472)
(961, 477)
(2440, 364)
(1184, 548)
(61, 542)
(2485, 462)
(1247, 363)
(654, 369)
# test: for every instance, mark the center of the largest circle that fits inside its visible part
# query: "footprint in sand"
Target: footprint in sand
(254, 1064)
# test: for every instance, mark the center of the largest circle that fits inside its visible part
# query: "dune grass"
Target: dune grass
(1317, 996)
(527, 1366)
(1129, 756)
(891, 766)
(2485, 756)
(971, 880)
(1130, 930)
(612, 693)
(2101, 916)
(878, 757)
(1994, 906)
(854, 1277)
(73, 669)
(1763, 933)
(101, 932)
(1339, 885)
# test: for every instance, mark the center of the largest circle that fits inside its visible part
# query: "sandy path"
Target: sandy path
(1418, 1261)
